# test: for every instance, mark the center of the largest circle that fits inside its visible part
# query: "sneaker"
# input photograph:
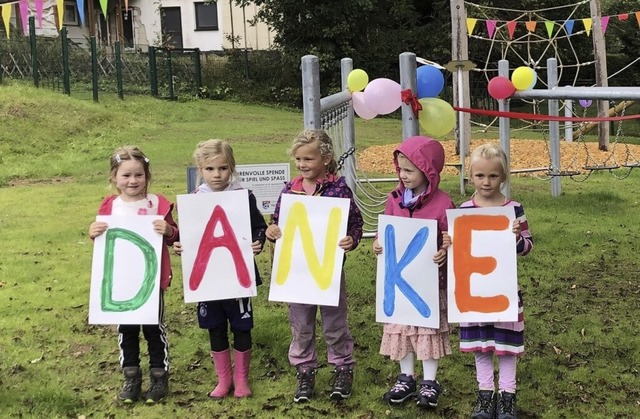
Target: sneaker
(159, 385)
(485, 405)
(342, 382)
(507, 405)
(306, 381)
(403, 389)
(428, 393)
(132, 386)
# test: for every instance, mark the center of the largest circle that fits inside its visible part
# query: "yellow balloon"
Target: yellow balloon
(437, 117)
(523, 78)
(357, 80)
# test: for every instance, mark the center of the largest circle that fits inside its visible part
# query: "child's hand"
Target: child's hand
(446, 240)
(440, 257)
(516, 229)
(377, 249)
(162, 227)
(346, 243)
(273, 232)
(177, 247)
(256, 246)
(97, 228)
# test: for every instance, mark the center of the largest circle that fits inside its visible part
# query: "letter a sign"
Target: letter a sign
(125, 272)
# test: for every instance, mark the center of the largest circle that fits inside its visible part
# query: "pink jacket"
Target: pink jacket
(164, 208)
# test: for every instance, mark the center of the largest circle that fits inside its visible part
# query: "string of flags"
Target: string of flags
(493, 25)
(28, 7)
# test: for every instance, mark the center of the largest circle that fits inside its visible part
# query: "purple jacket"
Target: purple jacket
(335, 187)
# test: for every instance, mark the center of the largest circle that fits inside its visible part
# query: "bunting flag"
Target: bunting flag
(471, 23)
(511, 26)
(549, 24)
(24, 14)
(6, 17)
(491, 27)
(623, 16)
(638, 17)
(80, 6)
(531, 25)
(39, 12)
(587, 22)
(568, 25)
(126, 4)
(604, 23)
(103, 5)
(60, 5)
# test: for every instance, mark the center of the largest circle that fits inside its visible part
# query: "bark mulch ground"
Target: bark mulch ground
(525, 154)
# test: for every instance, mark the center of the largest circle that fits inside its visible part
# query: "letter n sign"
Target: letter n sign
(125, 272)
(407, 278)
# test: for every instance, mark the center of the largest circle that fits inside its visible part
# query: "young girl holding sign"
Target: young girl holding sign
(217, 167)
(488, 170)
(313, 153)
(419, 161)
(130, 175)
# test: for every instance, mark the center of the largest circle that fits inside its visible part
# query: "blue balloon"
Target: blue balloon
(430, 81)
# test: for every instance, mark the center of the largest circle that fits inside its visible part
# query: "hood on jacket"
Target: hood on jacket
(427, 155)
(232, 186)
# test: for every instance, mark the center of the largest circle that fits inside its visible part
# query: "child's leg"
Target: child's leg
(430, 369)
(157, 344)
(336, 330)
(429, 389)
(404, 387)
(484, 370)
(407, 365)
(302, 351)
(507, 376)
(241, 321)
(129, 343)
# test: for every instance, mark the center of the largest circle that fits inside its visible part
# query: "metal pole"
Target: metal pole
(568, 125)
(65, 61)
(408, 66)
(172, 92)
(505, 125)
(348, 127)
(34, 51)
(94, 68)
(461, 145)
(311, 92)
(153, 72)
(119, 70)
(198, 69)
(554, 128)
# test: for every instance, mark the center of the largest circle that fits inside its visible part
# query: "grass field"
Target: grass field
(580, 283)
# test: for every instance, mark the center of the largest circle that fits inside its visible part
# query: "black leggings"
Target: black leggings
(220, 341)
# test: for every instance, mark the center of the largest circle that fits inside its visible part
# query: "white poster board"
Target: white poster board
(215, 233)
(125, 271)
(482, 266)
(307, 262)
(407, 286)
(265, 181)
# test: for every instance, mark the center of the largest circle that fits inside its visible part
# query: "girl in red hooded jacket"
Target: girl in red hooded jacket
(130, 175)
(419, 161)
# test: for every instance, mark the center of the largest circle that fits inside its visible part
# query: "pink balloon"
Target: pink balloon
(500, 87)
(360, 107)
(383, 96)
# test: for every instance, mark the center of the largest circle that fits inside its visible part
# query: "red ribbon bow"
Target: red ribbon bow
(409, 98)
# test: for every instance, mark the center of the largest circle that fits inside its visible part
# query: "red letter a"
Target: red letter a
(210, 242)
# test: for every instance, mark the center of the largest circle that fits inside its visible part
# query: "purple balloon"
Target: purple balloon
(585, 103)
(383, 96)
(360, 107)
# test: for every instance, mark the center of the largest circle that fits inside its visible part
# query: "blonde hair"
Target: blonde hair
(211, 149)
(322, 141)
(489, 152)
(129, 153)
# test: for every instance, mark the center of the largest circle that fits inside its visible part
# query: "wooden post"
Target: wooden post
(91, 18)
(119, 29)
(460, 52)
(600, 55)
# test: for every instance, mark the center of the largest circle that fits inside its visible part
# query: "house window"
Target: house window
(206, 16)
(70, 14)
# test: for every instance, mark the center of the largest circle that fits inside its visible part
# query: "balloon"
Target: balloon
(437, 117)
(585, 103)
(383, 96)
(430, 81)
(357, 80)
(500, 87)
(360, 107)
(524, 78)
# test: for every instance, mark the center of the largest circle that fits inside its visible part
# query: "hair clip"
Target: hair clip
(146, 160)
(117, 158)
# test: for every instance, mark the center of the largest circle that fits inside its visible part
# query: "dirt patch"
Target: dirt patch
(525, 154)
(52, 181)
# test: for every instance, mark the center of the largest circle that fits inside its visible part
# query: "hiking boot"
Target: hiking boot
(159, 387)
(306, 381)
(507, 405)
(428, 394)
(403, 389)
(132, 386)
(342, 382)
(485, 405)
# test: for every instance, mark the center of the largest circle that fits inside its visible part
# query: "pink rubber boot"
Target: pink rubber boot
(222, 362)
(241, 373)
